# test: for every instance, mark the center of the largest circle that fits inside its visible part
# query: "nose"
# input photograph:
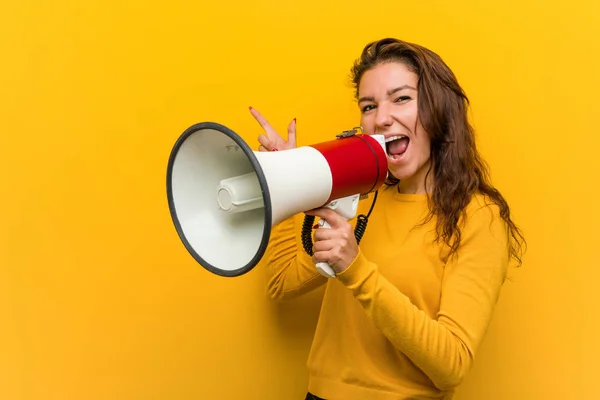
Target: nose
(383, 118)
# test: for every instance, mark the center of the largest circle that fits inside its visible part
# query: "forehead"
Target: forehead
(386, 76)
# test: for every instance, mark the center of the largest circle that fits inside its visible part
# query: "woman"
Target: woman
(409, 307)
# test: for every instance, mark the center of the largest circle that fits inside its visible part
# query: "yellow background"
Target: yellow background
(98, 297)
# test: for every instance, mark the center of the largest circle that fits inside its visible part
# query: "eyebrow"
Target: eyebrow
(389, 93)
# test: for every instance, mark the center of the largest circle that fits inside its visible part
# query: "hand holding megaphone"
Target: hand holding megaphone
(336, 246)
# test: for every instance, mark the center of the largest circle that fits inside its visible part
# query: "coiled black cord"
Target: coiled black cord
(362, 220)
(307, 227)
(359, 229)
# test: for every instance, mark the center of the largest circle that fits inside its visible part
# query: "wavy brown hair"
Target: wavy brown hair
(458, 170)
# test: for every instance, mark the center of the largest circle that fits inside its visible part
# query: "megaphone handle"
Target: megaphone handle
(323, 267)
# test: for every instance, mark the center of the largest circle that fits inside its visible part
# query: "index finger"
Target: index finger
(264, 123)
(292, 133)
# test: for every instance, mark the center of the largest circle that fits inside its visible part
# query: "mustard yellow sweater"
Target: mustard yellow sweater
(404, 321)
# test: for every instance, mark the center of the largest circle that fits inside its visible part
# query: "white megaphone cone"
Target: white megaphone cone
(224, 197)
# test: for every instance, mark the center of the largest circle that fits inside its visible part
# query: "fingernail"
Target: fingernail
(274, 149)
(250, 108)
(316, 226)
(294, 120)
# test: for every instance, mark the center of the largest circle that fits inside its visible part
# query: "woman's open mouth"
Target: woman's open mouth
(396, 146)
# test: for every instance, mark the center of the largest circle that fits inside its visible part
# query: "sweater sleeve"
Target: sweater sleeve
(443, 348)
(290, 271)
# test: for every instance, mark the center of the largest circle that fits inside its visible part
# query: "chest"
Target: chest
(406, 253)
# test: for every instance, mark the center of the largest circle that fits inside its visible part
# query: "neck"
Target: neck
(416, 183)
(408, 187)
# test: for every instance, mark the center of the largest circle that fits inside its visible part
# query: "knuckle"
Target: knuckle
(336, 253)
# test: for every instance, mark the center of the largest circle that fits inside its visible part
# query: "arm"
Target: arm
(290, 271)
(443, 348)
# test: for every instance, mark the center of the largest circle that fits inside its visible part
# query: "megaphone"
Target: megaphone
(224, 198)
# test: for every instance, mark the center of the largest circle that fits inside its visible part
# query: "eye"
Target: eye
(402, 99)
(367, 108)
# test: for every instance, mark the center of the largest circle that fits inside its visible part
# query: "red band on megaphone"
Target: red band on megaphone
(358, 165)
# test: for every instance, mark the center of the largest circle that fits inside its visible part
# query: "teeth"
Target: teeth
(392, 138)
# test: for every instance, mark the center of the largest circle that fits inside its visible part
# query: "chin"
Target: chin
(407, 165)
(401, 172)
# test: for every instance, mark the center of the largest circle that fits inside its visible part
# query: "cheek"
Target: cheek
(407, 116)
(424, 142)
(366, 121)
(425, 148)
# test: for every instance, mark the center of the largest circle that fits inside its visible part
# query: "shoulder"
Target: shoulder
(482, 217)
(481, 207)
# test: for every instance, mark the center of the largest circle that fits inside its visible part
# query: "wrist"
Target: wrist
(357, 272)
(343, 265)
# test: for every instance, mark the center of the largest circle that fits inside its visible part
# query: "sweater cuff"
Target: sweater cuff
(357, 273)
